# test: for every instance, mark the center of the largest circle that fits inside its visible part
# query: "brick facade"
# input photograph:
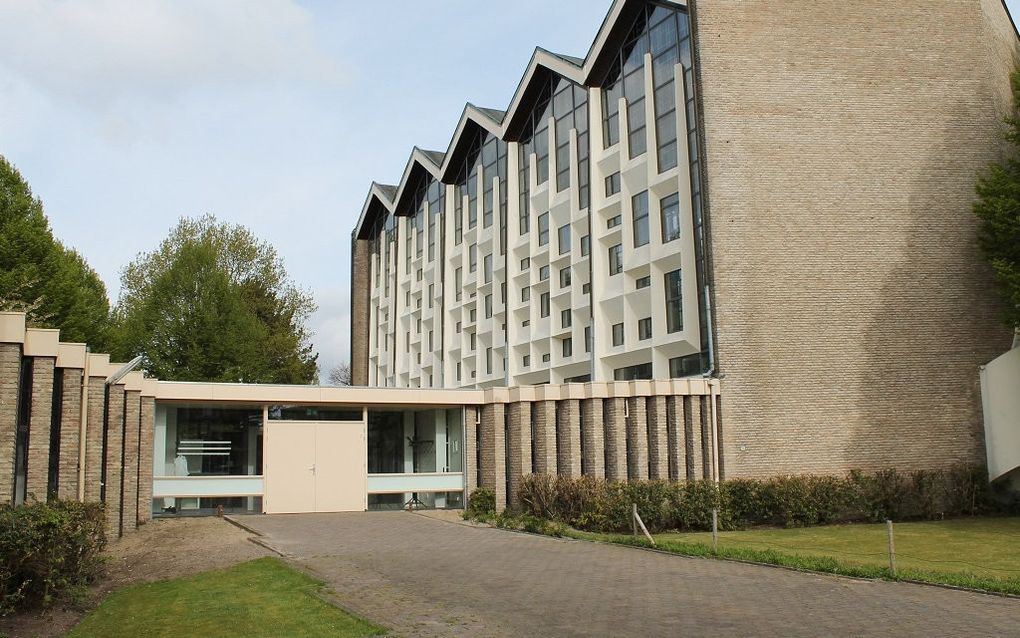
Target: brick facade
(94, 439)
(114, 458)
(360, 295)
(637, 439)
(616, 439)
(543, 415)
(492, 451)
(852, 306)
(518, 446)
(593, 438)
(10, 373)
(70, 434)
(568, 437)
(129, 491)
(470, 450)
(658, 451)
(40, 420)
(145, 449)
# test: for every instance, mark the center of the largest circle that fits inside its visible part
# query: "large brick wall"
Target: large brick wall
(40, 419)
(852, 305)
(145, 450)
(360, 296)
(70, 434)
(94, 439)
(10, 372)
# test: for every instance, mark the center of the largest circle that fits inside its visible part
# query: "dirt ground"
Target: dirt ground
(160, 550)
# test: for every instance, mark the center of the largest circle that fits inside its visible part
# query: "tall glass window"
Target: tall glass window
(669, 208)
(567, 104)
(543, 229)
(639, 207)
(674, 302)
(615, 259)
(563, 237)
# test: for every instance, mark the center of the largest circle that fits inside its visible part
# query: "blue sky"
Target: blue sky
(125, 115)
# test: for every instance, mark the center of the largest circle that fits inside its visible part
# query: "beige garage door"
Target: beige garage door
(315, 466)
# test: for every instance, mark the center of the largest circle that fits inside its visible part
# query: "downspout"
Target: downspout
(83, 427)
(713, 392)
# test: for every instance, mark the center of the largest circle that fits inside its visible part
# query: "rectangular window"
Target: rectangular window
(615, 259)
(473, 258)
(487, 267)
(639, 207)
(458, 371)
(525, 264)
(488, 306)
(585, 245)
(670, 210)
(525, 293)
(644, 328)
(614, 221)
(545, 358)
(631, 373)
(568, 348)
(488, 361)
(587, 338)
(674, 302)
(617, 334)
(565, 318)
(472, 315)
(563, 236)
(432, 293)
(458, 284)
(472, 341)
(458, 327)
(565, 277)
(526, 361)
(543, 273)
(586, 288)
(643, 282)
(543, 229)
(544, 304)
(613, 184)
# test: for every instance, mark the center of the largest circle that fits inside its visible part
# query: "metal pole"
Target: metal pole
(892, 547)
(633, 517)
(715, 529)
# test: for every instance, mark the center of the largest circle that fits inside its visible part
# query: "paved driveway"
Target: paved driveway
(426, 577)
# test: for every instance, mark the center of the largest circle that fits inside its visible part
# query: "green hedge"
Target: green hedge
(789, 501)
(48, 551)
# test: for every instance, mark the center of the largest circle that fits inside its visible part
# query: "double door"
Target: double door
(315, 466)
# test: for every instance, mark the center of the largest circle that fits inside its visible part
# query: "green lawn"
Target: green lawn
(262, 597)
(974, 552)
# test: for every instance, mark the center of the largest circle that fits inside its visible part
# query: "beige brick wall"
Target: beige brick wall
(543, 413)
(114, 459)
(675, 438)
(637, 439)
(616, 439)
(593, 435)
(470, 449)
(94, 439)
(70, 434)
(658, 451)
(145, 459)
(692, 428)
(853, 307)
(129, 492)
(492, 452)
(519, 446)
(568, 436)
(10, 371)
(40, 419)
(360, 296)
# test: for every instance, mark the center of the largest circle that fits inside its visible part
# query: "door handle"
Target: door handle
(312, 468)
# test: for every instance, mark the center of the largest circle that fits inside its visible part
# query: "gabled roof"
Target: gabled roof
(378, 202)
(541, 64)
(420, 161)
(471, 118)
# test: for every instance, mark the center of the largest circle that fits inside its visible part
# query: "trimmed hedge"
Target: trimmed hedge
(481, 502)
(48, 551)
(593, 504)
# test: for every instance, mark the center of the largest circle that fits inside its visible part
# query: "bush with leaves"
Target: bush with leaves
(48, 551)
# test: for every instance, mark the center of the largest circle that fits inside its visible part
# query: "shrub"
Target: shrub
(48, 551)
(481, 502)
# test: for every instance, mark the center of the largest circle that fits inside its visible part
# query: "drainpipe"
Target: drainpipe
(83, 427)
(713, 387)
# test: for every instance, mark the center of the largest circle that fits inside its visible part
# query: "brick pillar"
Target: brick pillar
(470, 451)
(544, 415)
(637, 439)
(129, 499)
(492, 451)
(145, 448)
(361, 290)
(616, 440)
(40, 420)
(519, 444)
(568, 436)
(594, 438)
(10, 373)
(675, 438)
(94, 439)
(692, 425)
(658, 450)
(706, 436)
(70, 431)
(114, 460)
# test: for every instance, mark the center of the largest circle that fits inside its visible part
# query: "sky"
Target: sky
(125, 115)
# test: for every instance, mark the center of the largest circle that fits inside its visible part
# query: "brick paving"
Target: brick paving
(425, 577)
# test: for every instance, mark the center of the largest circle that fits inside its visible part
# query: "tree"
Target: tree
(998, 208)
(214, 303)
(51, 284)
(340, 375)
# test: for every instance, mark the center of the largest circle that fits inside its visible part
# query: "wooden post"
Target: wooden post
(892, 547)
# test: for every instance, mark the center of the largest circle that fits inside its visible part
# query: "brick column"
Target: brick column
(145, 449)
(470, 451)
(692, 425)
(114, 460)
(568, 435)
(637, 439)
(675, 438)
(706, 436)
(519, 444)
(129, 498)
(616, 440)
(492, 452)
(10, 373)
(94, 439)
(40, 420)
(544, 415)
(658, 450)
(70, 431)
(594, 438)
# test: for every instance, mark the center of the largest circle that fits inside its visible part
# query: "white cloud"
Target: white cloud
(98, 51)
